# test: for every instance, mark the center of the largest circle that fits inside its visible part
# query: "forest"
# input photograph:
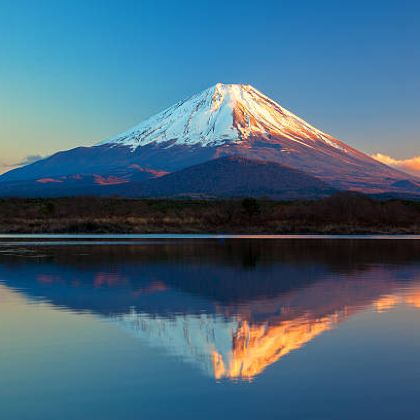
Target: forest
(342, 213)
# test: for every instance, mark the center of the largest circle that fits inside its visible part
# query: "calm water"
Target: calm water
(209, 328)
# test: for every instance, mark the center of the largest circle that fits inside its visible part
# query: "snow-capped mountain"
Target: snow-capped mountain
(223, 114)
(224, 120)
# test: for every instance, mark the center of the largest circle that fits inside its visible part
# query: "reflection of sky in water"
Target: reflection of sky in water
(264, 314)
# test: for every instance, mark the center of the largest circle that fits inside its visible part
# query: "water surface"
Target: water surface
(152, 327)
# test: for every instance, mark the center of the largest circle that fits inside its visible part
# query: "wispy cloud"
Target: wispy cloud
(410, 165)
(6, 166)
(29, 159)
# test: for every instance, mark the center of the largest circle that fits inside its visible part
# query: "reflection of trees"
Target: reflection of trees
(338, 255)
(225, 272)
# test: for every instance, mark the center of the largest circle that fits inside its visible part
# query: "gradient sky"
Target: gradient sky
(75, 72)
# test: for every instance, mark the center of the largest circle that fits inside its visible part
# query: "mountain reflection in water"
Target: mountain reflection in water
(232, 308)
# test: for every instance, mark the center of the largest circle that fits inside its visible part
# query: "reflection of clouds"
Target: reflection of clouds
(387, 302)
(413, 299)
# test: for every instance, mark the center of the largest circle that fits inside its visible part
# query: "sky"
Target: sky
(75, 72)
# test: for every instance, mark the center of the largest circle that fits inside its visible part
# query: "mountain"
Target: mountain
(224, 120)
(235, 176)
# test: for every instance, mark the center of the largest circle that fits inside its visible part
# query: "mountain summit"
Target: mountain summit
(224, 120)
(222, 114)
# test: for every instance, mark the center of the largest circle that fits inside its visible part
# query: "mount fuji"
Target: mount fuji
(262, 148)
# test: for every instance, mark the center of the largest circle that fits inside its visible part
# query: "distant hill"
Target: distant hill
(233, 176)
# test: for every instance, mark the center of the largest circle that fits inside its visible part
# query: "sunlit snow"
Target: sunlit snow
(224, 113)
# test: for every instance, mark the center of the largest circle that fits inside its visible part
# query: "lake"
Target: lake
(205, 327)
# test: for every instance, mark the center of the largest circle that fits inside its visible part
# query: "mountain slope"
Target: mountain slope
(223, 114)
(224, 120)
(235, 176)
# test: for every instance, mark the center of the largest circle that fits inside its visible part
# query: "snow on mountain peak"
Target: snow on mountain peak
(223, 113)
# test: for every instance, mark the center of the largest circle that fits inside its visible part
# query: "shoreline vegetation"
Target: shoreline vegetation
(342, 213)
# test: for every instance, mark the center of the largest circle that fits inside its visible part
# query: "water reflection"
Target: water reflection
(230, 308)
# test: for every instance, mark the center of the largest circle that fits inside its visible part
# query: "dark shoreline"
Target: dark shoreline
(344, 213)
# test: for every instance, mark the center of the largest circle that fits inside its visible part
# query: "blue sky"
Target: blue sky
(75, 72)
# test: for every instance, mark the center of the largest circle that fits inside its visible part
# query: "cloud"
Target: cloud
(410, 165)
(27, 160)
(4, 167)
